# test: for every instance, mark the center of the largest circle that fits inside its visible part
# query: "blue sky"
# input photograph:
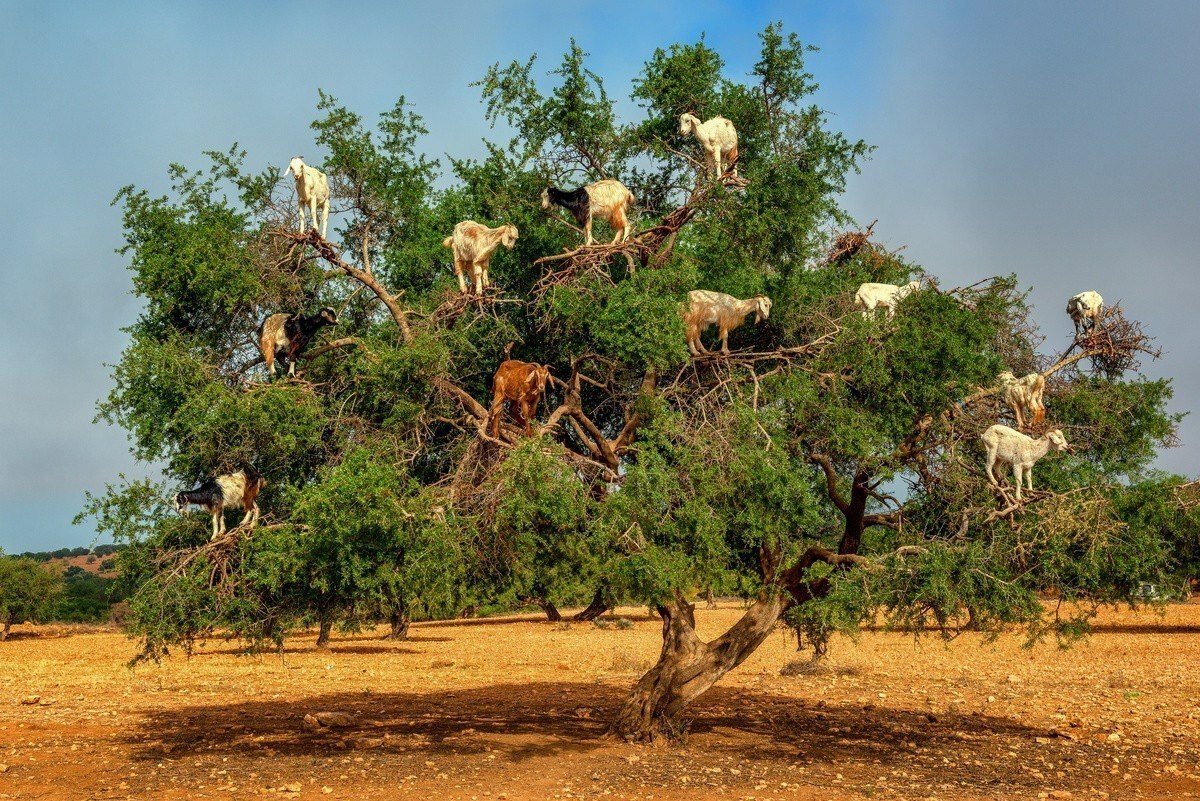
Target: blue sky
(1057, 141)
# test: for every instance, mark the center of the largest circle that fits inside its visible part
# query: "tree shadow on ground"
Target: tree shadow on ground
(524, 721)
(369, 637)
(380, 647)
(1144, 628)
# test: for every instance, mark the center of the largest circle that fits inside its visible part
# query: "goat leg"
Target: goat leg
(495, 412)
(458, 273)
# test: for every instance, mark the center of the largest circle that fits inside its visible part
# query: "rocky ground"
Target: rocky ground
(517, 710)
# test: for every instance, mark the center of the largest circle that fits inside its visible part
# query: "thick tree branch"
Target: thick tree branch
(831, 489)
(472, 406)
(344, 342)
(327, 251)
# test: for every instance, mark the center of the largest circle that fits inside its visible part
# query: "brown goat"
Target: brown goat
(522, 384)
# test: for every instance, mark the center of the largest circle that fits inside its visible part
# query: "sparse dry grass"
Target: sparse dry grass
(517, 710)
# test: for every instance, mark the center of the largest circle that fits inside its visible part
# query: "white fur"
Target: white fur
(1019, 450)
(717, 136)
(1024, 396)
(707, 308)
(473, 244)
(870, 296)
(1085, 310)
(312, 189)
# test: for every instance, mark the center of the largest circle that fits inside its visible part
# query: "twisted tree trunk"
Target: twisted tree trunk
(552, 613)
(595, 609)
(687, 666)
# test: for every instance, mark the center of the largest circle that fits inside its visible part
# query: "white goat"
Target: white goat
(1019, 450)
(1024, 396)
(707, 308)
(608, 199)
(473, 244)
(312, 190)
(1085, 309)
(717, 136)
(889, 296)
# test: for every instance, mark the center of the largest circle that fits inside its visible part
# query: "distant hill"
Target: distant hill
(98, 561)
(102, 566)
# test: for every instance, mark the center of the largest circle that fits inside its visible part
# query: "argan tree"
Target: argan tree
(829, 466)
(28, 592)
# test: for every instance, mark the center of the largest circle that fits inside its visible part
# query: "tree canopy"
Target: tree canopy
(829, 469)
(28, 591)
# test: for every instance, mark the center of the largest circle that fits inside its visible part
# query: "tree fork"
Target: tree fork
(687, 666)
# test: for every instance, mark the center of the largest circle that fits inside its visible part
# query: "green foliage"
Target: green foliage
(28, 591)
(86, 597)
(532, 533)
(1162, 514)
(662, 475)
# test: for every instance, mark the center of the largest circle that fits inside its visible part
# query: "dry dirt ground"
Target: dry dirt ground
(517, 710)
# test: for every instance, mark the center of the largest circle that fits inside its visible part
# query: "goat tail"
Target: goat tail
(448, 242)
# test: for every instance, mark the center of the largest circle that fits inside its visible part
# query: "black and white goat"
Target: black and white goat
(608, 199)
(289, 334)
(231, 491)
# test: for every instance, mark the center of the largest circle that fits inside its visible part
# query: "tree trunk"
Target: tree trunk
(855, 513)
(323, 632)
(688, 666)
(4, 633)
(552, 613)
(399, 621)
(595, 609)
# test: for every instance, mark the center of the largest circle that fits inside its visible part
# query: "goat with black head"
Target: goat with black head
(608, 199)
(285, 336)
(237, 490)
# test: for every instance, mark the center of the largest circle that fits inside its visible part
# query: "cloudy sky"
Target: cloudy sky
(1055, 140)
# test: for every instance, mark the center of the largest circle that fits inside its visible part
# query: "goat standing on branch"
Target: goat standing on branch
(231, 491)
(289, 334)
(706, 308)
(717, 136)
(870, 296)
(608, 199)
(1024, 396)
(522, 384)
(1085, 310)
(473, 245)
(312, 190)
(1019, 450)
